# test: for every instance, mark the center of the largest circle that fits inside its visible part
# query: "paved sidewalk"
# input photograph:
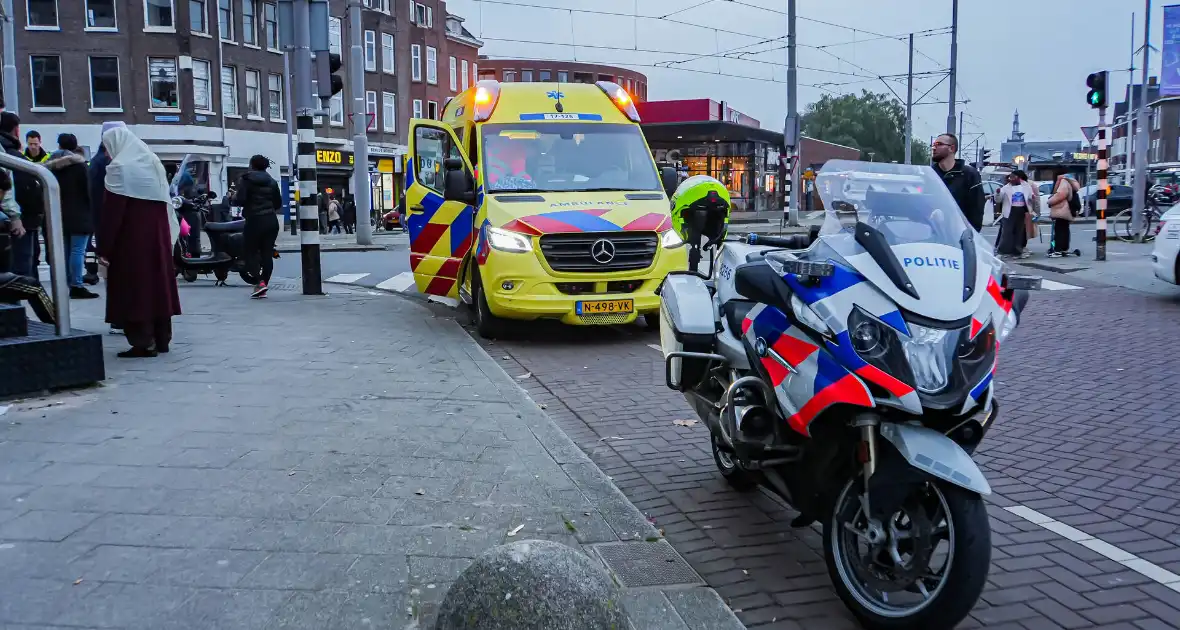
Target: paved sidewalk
(287, 243)
(326, 462)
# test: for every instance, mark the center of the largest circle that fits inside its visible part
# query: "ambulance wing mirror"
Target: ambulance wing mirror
(457, 182)
(669, 179)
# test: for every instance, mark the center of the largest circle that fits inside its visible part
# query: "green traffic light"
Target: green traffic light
(1095, 98)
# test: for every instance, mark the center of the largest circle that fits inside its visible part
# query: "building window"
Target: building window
(387, 60)
(420, 18)
(274, 84)
(563, 76)
(253, 93)
(526, 76)
(202, 99)
(1155, 150)
(417, 108)
(42, 14)
(100, 15)
(416, 62)
(162, 83)
(270, 14)
(370, 51)
(198, 17)
(334, 37)
(432, 110)
(249, 25)
(229, 91)
(1155, 119)
(466, 77)
(46, 77)
(431, 65)
(371, 111)
(336, 110)
(225, 19)
(429, 17)
(389, 112)
(104, 84)
(454, 74)
(629, 87)
(157, 15)
(509, 76)
(475, 72)
(545, 76)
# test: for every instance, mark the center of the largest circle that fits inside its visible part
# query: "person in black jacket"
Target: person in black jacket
(28, 197)
(260, 200)
(961, 179)
(69, 166)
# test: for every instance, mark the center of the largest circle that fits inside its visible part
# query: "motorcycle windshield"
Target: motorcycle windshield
(188, 177)
(900, 228)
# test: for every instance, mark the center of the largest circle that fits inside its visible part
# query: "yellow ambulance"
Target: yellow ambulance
(540, 201)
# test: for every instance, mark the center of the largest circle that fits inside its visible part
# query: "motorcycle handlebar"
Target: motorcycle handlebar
(794, 241)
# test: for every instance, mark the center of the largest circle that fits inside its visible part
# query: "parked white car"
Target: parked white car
(1165, 258)
(989, 207)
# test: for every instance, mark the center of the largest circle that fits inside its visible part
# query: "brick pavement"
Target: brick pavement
(1087, 435)
(327, 462)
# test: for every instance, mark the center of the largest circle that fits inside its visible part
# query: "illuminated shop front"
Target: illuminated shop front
(745, 159)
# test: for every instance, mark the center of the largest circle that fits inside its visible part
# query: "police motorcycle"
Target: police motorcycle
(189, 199)
(851, 373)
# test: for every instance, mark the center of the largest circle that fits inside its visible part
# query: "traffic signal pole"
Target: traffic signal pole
(1100, 234)
(309, 214)
(1142, 138)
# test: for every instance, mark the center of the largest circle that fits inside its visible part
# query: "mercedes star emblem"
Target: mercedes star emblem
(602, 251)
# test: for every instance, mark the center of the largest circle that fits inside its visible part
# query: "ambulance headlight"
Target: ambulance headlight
(506, 241)
(671, 240)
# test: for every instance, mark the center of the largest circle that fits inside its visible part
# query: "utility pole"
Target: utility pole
(309, 214)
(950, 117)
(11, 92)
(289, 114)
(1142, 140)
(1129, 135)
(909, 106)
(791, 133)
(362, 188)
(960, 136)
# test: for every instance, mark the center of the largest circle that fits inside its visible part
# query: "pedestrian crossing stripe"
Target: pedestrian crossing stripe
(1052, 285)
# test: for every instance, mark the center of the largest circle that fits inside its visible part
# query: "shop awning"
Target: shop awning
(708, 131)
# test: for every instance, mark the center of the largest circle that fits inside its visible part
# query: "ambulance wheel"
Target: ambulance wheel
(651, 321)
(189, 275)
(486, 324)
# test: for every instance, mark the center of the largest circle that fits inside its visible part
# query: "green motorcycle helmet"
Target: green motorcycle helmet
(700, 208)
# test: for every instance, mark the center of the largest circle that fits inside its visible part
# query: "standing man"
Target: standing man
(34, 152)
(960, 178)
(28, 198)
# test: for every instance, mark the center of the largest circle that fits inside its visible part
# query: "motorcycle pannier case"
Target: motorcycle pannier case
(688, 323)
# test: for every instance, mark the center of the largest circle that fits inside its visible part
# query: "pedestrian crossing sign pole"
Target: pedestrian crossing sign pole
(1100, 234)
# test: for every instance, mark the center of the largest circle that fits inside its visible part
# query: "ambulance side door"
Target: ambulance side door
(439, 220)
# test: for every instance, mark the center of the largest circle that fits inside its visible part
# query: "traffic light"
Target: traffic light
(985, 155)
(328, 83)
(1096, 97)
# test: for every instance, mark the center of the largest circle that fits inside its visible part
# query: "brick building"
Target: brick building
(525, 70)
(207, 77)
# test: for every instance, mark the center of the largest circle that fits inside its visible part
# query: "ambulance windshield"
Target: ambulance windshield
(566, 157)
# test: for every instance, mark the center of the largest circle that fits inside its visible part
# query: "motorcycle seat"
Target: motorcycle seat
(226, 226)
(735, 312)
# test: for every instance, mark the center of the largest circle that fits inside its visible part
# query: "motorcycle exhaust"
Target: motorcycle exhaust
(730, 421)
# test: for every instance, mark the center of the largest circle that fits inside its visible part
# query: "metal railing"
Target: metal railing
(54, 238)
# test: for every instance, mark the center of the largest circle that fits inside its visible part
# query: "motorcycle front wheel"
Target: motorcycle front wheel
(925, 567)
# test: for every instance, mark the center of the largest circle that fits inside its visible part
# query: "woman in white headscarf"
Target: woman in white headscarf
(136, 234)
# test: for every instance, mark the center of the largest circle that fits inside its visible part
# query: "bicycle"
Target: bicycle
(1122, 225)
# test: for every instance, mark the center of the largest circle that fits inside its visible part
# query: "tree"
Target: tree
(873, 123)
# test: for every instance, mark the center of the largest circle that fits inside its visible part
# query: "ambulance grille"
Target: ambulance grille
(573, 252)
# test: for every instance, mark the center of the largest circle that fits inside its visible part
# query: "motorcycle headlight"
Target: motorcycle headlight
(930, 353)
(808, 317)
(506, 241)
(671, 240)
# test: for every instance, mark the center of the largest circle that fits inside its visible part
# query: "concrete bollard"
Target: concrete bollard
(533, 585)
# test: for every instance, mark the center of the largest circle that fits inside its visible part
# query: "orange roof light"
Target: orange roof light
(487, 94)
(620, 98)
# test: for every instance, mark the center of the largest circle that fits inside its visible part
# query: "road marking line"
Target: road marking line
(346, 278)
(655, 346)
(1133, 562)
(398, 283)
(1052, 285)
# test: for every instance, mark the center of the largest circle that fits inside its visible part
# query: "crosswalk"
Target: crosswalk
(401, 283)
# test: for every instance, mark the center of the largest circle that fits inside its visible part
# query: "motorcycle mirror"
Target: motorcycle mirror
(177, 202)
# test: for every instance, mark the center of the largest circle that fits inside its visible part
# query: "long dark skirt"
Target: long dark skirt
(154, 335)
(1013, 235)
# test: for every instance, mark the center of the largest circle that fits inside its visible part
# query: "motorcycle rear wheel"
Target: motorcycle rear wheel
(189, 275)
(935, 513)
(249, 278)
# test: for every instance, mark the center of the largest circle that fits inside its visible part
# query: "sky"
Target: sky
(1031, 55)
